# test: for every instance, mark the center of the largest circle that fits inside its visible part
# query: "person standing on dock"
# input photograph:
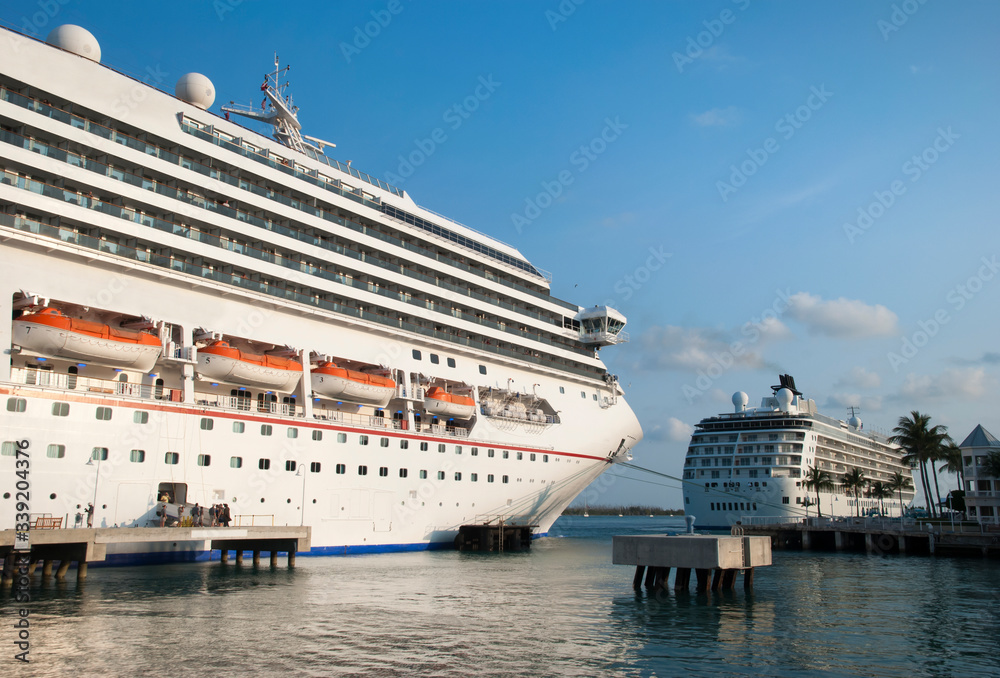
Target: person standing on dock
(212, 510)
(196, 516)
(225, 515)
(90, 515)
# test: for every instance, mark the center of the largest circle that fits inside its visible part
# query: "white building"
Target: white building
(982, 492)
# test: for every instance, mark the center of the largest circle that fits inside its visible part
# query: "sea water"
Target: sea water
(561, 609)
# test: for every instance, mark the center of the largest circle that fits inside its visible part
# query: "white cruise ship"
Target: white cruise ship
(750, 465)
(199, 311)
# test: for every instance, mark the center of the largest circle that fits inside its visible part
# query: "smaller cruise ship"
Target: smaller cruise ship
(751, 465)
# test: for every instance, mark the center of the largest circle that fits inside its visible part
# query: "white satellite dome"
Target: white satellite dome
(740, 400)
(785, 398)
(854, 422)
(196, 89)
(75, 39)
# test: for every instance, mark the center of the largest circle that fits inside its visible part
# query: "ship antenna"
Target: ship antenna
(278, 111)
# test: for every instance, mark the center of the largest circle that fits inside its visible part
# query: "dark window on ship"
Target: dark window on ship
(290, 465)
(140, 417)
(239, 427)
(583, 394)
(54, 451)
(363, 440)
(434, 358)
(292, 432)
(207, 424)
(341, 437)
(383, 442)
(784, 500)
(403, 472)
(8, 448)
(103, 413)
(489, 478)
(474, 477)
(383, 471)
(99, 454)
(416, 354)
(506, 454)
(545, 459)
(71, 381)
(317, 435)
(17, 405)
(490, 453)
(60, 409)
(562, 389)
(504, 479)
(458, 449)
(440, 475)
(204, 460)
(236, 462)
(474, 451)
(441, 447)
(315, 466)
(265, 429)
(404, 444)
(171, 458)
(423, 474)
(451, 362)
(520, 456)
(458, 475)
(482, 369)
(423, 447)
(341, 469)
(264, 464)
(362, 470)
(532, 456)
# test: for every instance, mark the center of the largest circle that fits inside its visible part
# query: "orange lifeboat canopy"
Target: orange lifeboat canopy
(52, 317)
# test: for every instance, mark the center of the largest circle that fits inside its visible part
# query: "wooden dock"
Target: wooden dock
(705, 554)
(90, 545)
(882, 537)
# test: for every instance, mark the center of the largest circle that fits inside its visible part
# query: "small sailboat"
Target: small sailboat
(586, 511)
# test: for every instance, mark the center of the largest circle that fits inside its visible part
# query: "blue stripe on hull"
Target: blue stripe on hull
(128, 559)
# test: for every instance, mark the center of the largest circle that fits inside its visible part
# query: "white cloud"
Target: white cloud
(692, 349)
(678, 431)
(718, 117)
(842, 401)
(841, 318)
(954, 384)
(859, 377)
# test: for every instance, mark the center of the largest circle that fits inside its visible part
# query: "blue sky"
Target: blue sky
(761, 187)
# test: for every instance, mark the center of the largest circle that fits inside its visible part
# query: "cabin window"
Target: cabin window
(290, 465)
(17, 405)
(383, 471)
(423, 474)
(423, 447)
(451, 362)
(171, 458)
(207, 424)
(562, 389)
(264, 464)
(506, 454)
(314, 467)
(53, 451)
(236, 462)
(520, 456)
(490, 453)
(292, 432)
(474, 451)
(458, 475)
(341, 437)
(60, 409)
(583, 394)
(8, 448)
(482, 369)
(489, 478)
(99, 454)
(265, 429)
(140, 417)
(532, 456)
(362, 470)
(441, 447)
(458, 449)
(404, 444)
(317, 435)
(103, 413)
(363, 439)
(474, 477)
(204, 460)
(239, 427)
(440, 475)
(137, 456)
(383, 442)
(504, 479)
(416, 354)
(403, 473)
(341, 469)
(545, 459)
(434, 359)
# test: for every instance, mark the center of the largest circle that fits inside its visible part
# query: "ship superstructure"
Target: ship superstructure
(752, 464)
(198, 311)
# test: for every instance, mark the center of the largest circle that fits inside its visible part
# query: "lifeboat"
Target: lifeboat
(51, 333)
(440, 403)
(332, 381)
(221, 362)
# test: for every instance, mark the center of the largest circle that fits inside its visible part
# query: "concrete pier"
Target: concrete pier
(701, 553)
(90, 545)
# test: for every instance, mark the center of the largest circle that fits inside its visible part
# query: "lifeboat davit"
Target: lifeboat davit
(332, 381)
(440, 403)
(221, 362)
(51, 333)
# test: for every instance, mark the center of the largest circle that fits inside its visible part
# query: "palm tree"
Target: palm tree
(818, 479)
(854, 481)
(923, 443)
(953, 463)
(991, 465)
(880, 491)
(897, 483)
